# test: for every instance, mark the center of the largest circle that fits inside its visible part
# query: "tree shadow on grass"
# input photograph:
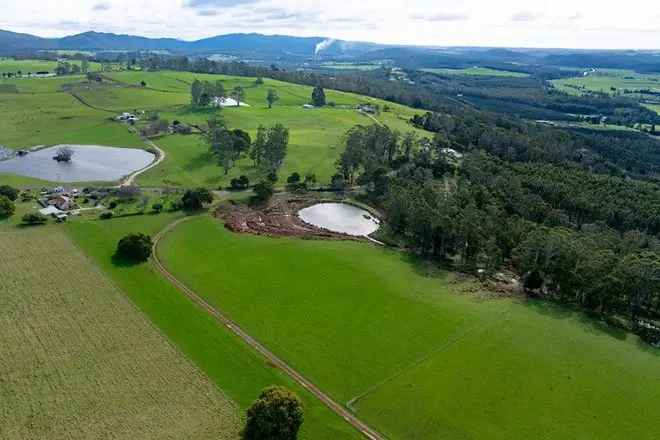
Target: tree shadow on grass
(121, 261)
(425, 267)
(201, 160)
(591, 324)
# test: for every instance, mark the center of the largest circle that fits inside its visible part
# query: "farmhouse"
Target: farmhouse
(61, 202)
(127, 117)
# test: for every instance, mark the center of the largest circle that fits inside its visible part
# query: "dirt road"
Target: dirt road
(130, 179)
(270, 356)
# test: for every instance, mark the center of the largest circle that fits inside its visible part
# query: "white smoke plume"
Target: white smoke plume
(323, 45)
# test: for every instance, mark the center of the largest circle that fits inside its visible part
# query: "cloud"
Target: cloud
(524, 16)
(576, 16)
(207, 12)
(101, 6)
(208, 4)
(440, 17)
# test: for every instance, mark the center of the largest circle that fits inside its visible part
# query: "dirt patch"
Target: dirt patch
(277, 219)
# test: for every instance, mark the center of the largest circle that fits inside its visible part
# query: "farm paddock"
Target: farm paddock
(79, 361)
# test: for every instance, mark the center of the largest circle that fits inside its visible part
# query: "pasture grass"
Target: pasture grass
(422, 360)
(609, 81)
(477, 71)
(44, 112)
(79, 361)
(228, 362)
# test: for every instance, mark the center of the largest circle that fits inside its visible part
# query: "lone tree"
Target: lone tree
(135, 247)
(276, 415)
(272, 97)
(7, 207)
(318, 96)
(238, 94)
(63, 154)
(194, 199)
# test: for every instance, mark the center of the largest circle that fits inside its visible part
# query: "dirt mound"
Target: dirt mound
(278, 218)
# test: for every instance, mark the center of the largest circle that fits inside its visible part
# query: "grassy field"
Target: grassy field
(375, 327)
(44, 111)
(351, 66)
(479, 71)
(228, 362)
(609, 81)
(654, 107)
(79, 361)
(33, 66)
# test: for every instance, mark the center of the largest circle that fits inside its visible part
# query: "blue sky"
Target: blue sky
(511, 23)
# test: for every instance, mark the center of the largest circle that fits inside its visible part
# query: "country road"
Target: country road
(337, 408)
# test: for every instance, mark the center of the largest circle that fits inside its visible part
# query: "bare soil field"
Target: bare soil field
(78, 361)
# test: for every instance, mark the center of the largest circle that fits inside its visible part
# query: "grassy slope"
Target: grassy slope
(80, 362)
(41, 113)
(315, 134)
(479, 71)
(351, 315)
(233, 366)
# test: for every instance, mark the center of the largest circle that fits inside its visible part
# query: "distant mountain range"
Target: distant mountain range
(240, 44)
(298, 50)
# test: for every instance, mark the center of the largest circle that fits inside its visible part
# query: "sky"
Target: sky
(588, 24)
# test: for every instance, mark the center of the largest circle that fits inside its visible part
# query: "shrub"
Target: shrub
(157, 207)
(293, 179)
(34, 218)
(106, 215)
(135, 247)
(112, 205)
(196, 198)
(264, 190)
(9, 192)
(276, 415)
(7, 207)
(240, 183)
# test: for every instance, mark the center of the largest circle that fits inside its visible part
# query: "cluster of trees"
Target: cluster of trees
(229, 145)
(624, 154)
(202, 92)
(63, 154)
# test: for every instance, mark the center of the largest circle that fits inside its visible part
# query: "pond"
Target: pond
(340, 217)
(90, 163)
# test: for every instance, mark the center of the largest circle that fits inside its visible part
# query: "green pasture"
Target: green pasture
(377, 328)
(654, 107)
(478, 71)
(351, 66)
(609, 81)
(34, 66)
(233, 366)
(69, 110)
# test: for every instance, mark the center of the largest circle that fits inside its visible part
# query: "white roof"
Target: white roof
(227, 102)
(50, 210)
